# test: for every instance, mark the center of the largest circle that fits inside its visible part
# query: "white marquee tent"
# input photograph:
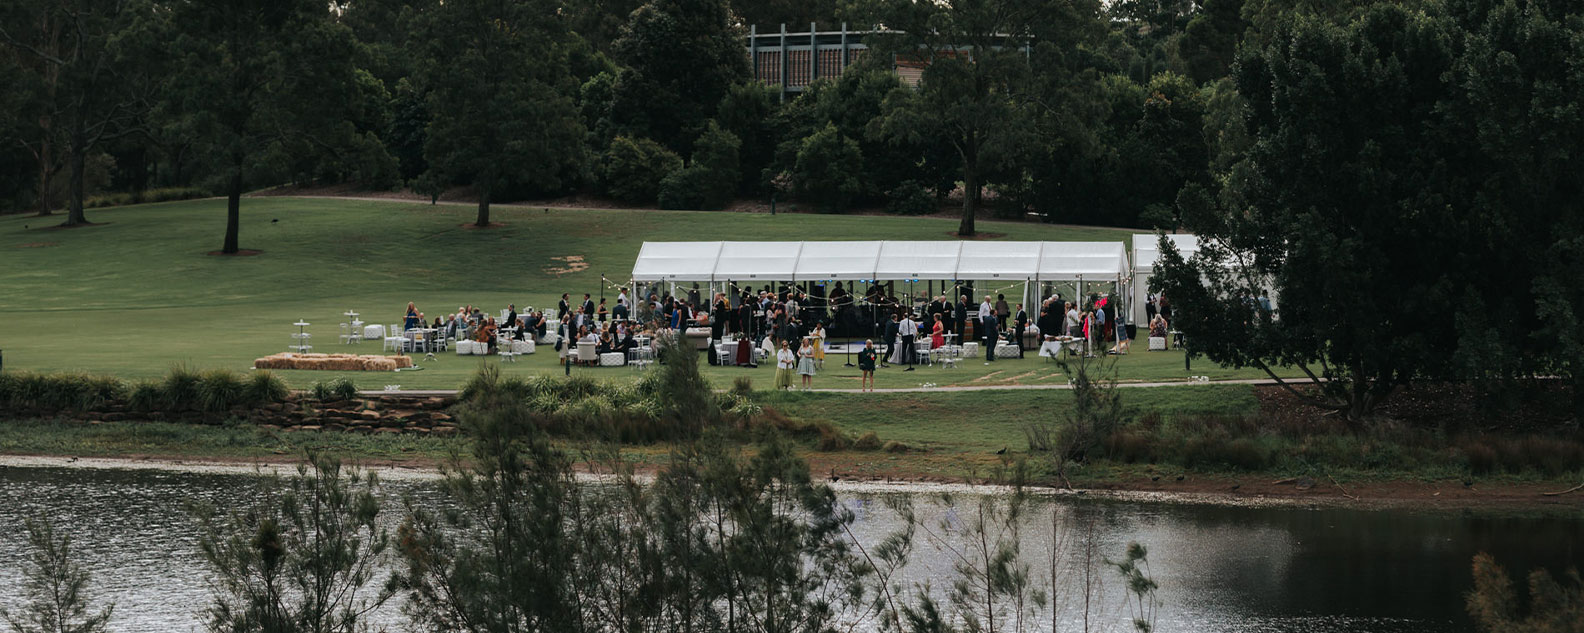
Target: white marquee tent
(1146, 252)
(678, 262)
(879, 261)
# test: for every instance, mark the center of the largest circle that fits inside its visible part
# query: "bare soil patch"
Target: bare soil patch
(475, 226)
(574, 264)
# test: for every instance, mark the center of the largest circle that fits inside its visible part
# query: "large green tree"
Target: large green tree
(252, 77)
(1400, 164)
(974, 61)
(501, 98)
(92, 60)
(679, 58)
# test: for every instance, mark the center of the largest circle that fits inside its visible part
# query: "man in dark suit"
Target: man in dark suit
(511, 320)
(720, 311)
(962, 318)
(990, 336)
(563, 306)
(588, 309)
(1021, 318)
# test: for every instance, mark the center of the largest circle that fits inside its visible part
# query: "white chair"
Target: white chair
(585, 353)
(1157, 343)
(394, 341)
(522, 347)
(504, 349)
(612, 359)
(346, 333)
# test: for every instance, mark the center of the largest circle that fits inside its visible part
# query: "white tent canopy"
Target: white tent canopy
(1146, 249)
(837, 260)
(917, 260)
(1146, 252)
(880, 261)
(676, 261)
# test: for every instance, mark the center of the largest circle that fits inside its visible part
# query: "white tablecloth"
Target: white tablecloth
(374, 332)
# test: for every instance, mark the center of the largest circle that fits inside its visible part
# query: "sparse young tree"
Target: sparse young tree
(301, 557)
(54, 592)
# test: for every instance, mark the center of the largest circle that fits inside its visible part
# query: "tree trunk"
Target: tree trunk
(970, 158)
(233, 213)
(79, 162)
(46, 175)
(483, 209)
(970, 201)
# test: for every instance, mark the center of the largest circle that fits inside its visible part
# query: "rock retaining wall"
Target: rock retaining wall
(419, 415)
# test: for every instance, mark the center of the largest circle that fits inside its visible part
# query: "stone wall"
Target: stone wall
(418, 415)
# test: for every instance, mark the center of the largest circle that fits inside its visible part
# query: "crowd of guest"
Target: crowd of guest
(790, 325)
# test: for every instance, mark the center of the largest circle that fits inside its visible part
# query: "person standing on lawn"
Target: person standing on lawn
(866, 364)
(991, 336)
(785, 361)
(1022, 321)
(806, 363)
(907, 330)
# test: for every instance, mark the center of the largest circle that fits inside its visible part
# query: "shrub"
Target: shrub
(632, 168)
(58, 392)
(911, 198)
(742, 386)
(321, 391)
(686, 189)
(180, 387)
(264, 387)
(142, 197)
(220, 389)
(829, 169)
(145, 396)
(867, 442)
(343, 389)
(710, 179)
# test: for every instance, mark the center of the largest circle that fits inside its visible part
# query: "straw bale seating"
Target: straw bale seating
(333, 362)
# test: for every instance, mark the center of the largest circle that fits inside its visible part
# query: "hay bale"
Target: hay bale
(332, 362)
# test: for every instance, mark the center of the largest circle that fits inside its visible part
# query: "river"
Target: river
(1221, 569)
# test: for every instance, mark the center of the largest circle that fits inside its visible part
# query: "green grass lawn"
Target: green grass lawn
(138, 294)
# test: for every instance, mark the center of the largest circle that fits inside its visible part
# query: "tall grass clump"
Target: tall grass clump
(220, 389)
(264, 387)
(180, 387)
(58, 392)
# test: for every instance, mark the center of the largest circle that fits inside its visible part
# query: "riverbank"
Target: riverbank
(233, 449)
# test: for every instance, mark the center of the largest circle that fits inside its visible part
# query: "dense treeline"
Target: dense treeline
(1078, 110)
(1409, 188)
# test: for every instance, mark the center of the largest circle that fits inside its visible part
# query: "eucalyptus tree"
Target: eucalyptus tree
(254, 81)
(500, 96)
(92, 63)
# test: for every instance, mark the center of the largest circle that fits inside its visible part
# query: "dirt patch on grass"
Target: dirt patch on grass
(246, 252)
(38, 245)
(475, 226)
(573, 264)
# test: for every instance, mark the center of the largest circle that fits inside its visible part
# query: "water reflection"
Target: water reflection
(1221, 569)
